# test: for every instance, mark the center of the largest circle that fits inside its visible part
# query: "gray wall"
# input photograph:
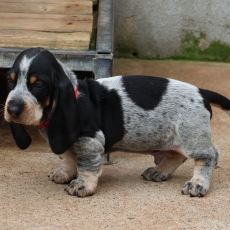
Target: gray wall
(158, 28)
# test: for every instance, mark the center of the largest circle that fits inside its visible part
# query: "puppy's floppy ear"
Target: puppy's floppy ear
(20, 135)
(63, 128)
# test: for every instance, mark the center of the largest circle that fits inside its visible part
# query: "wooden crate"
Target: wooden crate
(52, 24)
(78, 32)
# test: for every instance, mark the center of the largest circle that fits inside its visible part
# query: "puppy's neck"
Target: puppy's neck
(70, 74)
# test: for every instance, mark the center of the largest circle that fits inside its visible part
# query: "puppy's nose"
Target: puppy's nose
(15, 108)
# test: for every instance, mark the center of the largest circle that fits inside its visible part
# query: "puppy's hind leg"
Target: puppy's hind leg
(68, 169)
(165, 168)
(204, 161)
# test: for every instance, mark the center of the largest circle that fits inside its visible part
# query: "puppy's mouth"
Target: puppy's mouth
(15, 121)
(23, 121)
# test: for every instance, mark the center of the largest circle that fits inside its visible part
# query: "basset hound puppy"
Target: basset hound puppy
(82, 119)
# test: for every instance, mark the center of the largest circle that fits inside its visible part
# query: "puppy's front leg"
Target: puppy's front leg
(89, 163)
(68, 169)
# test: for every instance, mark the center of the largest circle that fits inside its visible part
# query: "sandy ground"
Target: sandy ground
(123, 200)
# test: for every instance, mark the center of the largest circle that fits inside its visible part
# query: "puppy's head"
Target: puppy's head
(38, 85)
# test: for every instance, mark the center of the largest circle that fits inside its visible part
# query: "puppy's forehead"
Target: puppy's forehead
(25, 59)
(25, 64)
(23, 71)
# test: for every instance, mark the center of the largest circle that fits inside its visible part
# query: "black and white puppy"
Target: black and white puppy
(82, 119)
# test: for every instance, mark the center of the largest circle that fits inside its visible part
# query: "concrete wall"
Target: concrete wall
(162, 28)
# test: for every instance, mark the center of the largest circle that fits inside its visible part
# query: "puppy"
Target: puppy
(82, 119)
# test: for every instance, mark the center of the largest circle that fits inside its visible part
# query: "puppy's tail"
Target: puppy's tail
(215, 99)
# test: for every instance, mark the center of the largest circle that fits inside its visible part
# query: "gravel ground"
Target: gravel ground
(123, 200)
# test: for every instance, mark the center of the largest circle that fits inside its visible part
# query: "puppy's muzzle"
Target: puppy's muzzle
(15, 108)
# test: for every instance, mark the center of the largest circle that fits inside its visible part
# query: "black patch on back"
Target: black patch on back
(112, 117)
(89, 107)
(146, 92)
(100, 109)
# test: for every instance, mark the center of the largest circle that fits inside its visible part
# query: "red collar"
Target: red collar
(43, 125)
(76, 92)
(46, 122)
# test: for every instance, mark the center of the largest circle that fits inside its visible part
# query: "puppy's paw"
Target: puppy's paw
(79, 188)
(194, 189)
(152, 174)
(62, 176)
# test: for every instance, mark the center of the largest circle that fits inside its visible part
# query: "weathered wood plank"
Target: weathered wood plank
(52, 24)
(44, 1)
(47, 22)
(62, 8)
(66, 41)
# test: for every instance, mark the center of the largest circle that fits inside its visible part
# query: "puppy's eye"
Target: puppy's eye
(9, 81)
(38, 84)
